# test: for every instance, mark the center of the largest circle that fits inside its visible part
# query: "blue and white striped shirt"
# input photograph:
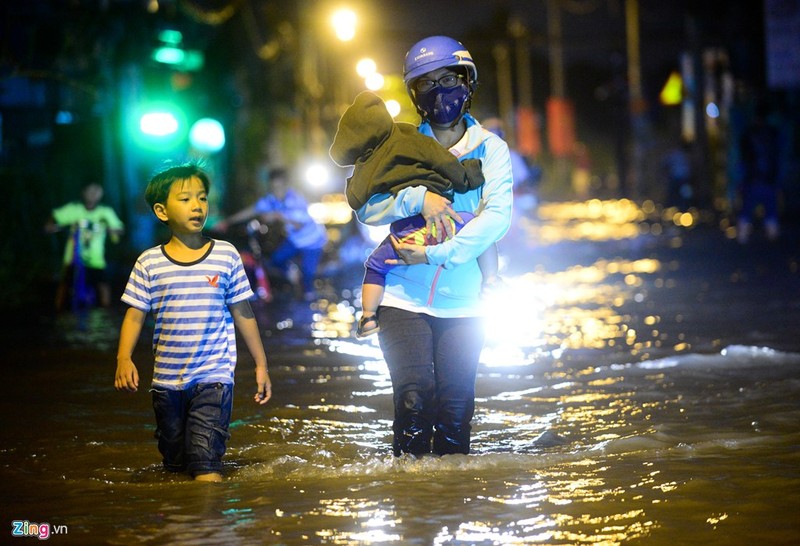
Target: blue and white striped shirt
(194, 338)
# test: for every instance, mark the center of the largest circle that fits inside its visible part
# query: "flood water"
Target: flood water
(640, 385)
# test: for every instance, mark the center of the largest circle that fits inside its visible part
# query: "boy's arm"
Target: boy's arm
(51, 226)
(236, 218)
(115, 226)
(245, 322)
(127, 376)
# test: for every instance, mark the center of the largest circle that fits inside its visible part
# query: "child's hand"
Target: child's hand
(437, 212)
(407, 253)
(127, 376)
(264, 386)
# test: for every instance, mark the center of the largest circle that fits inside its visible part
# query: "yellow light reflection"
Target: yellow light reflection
(345, 409)
(372, 515)
(598, 220)
(541, 314)
(571, 309)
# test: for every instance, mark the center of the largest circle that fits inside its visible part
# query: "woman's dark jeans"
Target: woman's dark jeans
(433, 363)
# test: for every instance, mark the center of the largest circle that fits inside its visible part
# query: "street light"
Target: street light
(374, 81)
(393, 107)
(368, 69)
(365, 67)
(344, 24)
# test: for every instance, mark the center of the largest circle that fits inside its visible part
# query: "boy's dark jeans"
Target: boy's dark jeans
(192, 426)
(433, 363)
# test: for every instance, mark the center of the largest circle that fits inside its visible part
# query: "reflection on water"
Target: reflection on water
(614, 406)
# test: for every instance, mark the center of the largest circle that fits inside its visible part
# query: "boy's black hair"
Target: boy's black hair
(278, 172)
(159, 185)
(86, 182)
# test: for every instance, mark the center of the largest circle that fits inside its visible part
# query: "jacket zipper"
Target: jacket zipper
(433, 285)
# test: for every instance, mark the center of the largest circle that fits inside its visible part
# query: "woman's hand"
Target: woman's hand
(408, 254)
(437, 211)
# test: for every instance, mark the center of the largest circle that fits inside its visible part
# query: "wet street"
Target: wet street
(640, 384)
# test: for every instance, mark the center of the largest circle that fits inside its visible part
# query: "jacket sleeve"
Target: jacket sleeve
(494, 219)
(385, 208)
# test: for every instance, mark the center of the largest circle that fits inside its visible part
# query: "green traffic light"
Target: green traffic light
(207, 135)
(158, 124)
(180, 59)
(169, 55)
(170, 36)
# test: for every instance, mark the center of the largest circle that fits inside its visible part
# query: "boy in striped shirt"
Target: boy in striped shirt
(198, 293)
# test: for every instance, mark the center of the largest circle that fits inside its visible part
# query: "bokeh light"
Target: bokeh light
(207, 135)
(344, 24)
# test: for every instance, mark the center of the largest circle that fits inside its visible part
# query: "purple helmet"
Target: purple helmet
(438, 52)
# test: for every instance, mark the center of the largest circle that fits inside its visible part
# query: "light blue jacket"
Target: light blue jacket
(449, 284)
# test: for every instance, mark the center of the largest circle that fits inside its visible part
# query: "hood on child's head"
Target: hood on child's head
(364, 126)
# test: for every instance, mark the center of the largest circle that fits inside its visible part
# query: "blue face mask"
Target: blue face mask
(444, 106)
